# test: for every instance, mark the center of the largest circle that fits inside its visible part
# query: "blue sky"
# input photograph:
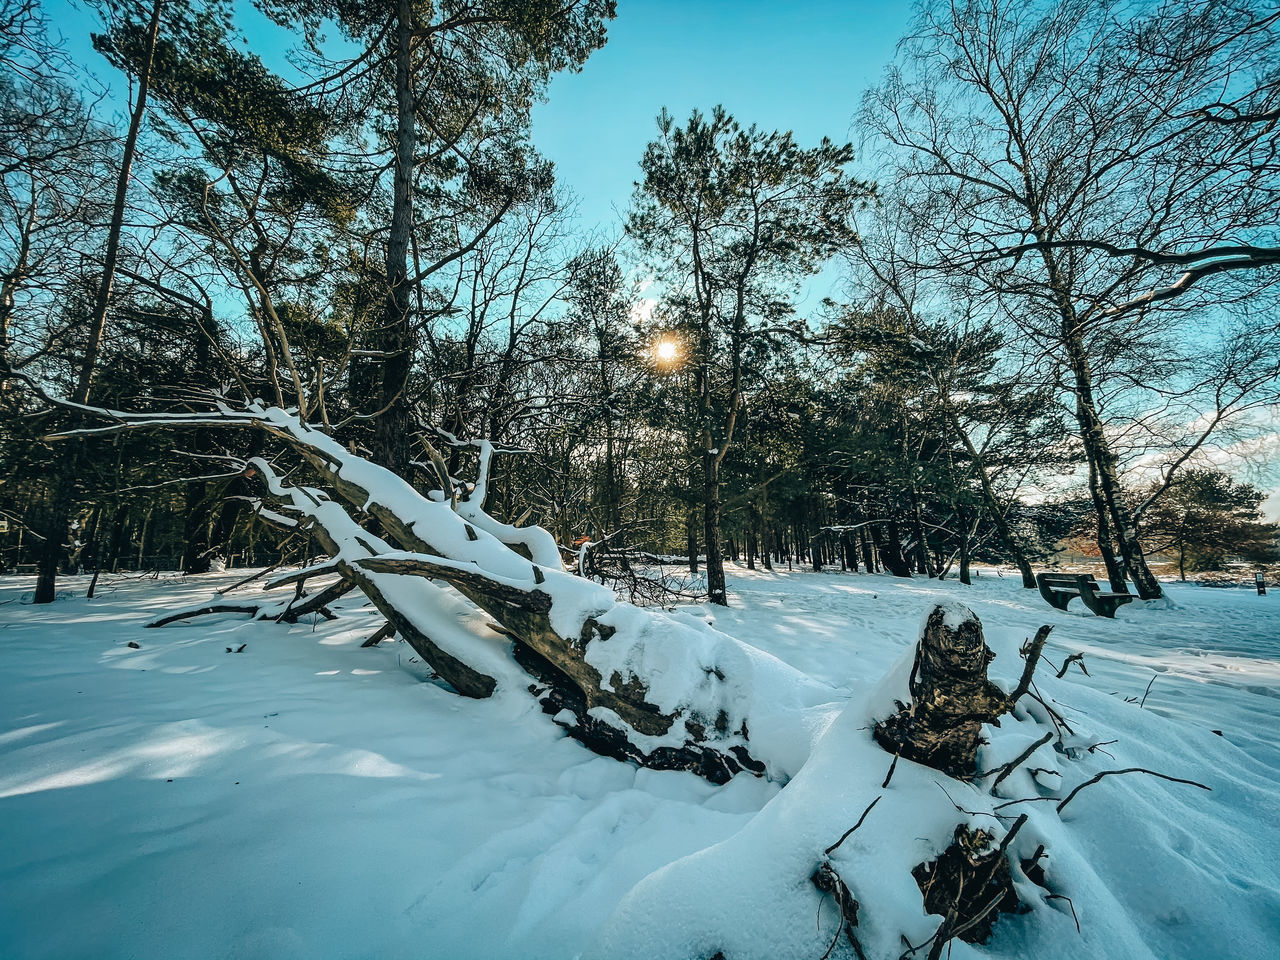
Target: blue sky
(799, 66)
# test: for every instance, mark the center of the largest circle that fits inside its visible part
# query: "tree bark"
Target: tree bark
(1106, 548)
(951, 697)
(67, 467)
(394, 424)
(716, 591)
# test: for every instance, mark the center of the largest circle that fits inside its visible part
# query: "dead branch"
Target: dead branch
(1032, 653)
(252, 610)
(1077, 658)
(1109, 773)
(383, 632)
(318, 602)
(835, 846)
(829, 882)
(249, 579)
(1007, 768)
(301, 576)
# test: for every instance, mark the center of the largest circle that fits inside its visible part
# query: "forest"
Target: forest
(1052, 320)
(289, 298)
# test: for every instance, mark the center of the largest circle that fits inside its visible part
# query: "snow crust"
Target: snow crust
(308, 798)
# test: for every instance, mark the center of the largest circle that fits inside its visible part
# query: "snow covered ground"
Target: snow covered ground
(309, 798)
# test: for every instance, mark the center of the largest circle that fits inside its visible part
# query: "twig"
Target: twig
(1148, 690)
(1107, 773)
(889, 776)
(1062, 896)
(1012, 803)
(1074, 658)
(828, 881)
(1008, 768)
(973, 921)
(960, 809)
(835, 846)
(249, 579)
(1057, 718)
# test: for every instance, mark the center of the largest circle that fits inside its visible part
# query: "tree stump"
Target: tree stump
(969, 886)
(951, 697)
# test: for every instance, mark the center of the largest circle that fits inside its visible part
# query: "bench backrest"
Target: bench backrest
(1067, 578)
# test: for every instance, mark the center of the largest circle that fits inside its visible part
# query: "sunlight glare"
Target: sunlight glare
(666, 350)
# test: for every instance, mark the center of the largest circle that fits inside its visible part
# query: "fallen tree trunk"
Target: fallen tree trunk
(659, 690)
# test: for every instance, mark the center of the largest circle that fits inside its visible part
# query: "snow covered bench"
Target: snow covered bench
(1059, 588)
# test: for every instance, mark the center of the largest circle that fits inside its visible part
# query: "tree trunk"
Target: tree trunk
(994, 510)
(1104, 463)
(142, 536)
(889, 545)
(711, 529)
(964, 549)
(1115, 572)
(394, 425)
(102, 298)
(67, 466)
(53, 548)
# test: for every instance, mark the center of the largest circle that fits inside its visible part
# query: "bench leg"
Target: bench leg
(1052, 597)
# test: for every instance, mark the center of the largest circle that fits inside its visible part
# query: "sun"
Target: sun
(666, 350)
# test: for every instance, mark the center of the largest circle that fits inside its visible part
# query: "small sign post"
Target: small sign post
(1261, 582)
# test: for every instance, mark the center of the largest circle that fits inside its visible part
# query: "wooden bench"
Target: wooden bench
(1059, 588)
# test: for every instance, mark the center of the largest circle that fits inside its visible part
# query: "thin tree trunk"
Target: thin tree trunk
(394, 424)
(1011, 543)
(142, 536)
(67, 466)
(711, 528)
(1115, 573)
(102, 299)
(964, 547)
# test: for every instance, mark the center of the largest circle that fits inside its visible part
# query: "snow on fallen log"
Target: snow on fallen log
(417, 610)
(666, 691)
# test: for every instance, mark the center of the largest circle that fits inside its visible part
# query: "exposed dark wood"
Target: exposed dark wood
(465, 580)
(251, 609)
(317, 602)
(969, 886)
(832, 884)
(383, 632)
(301, 576)
(951, 698)
(557, 691)
(1032, 652)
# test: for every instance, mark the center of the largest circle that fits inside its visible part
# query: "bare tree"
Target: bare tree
(1016, 127)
